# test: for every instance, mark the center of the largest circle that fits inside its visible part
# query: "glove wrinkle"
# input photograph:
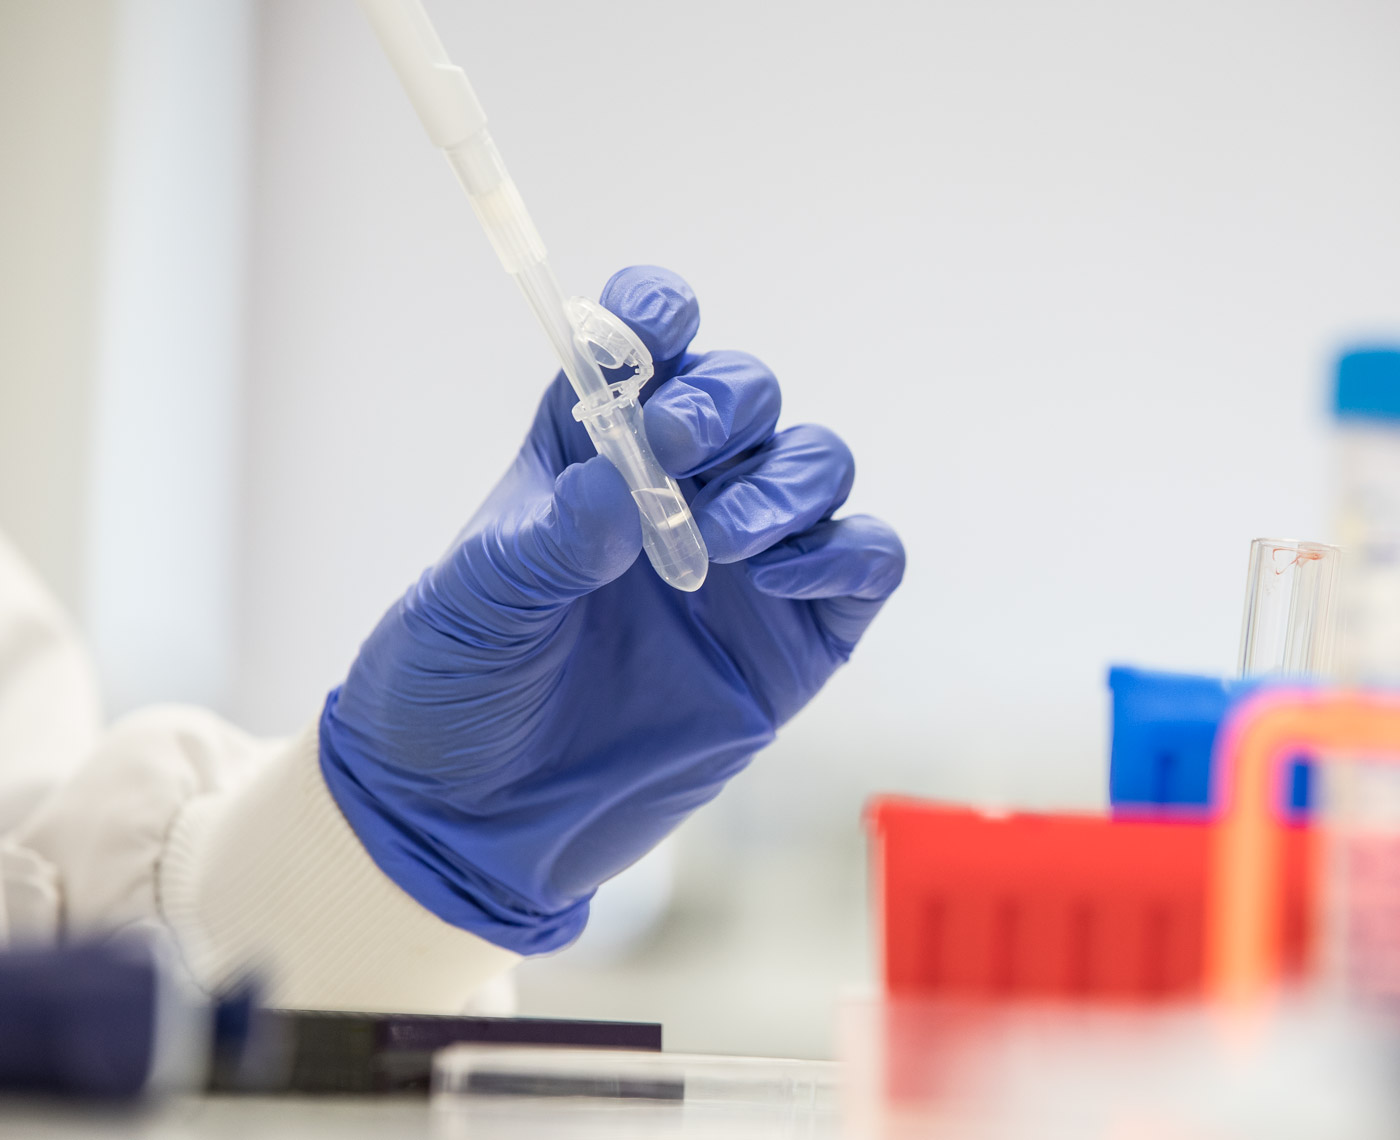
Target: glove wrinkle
(660, 307)
(800, 477)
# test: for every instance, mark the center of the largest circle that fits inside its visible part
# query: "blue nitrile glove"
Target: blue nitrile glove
(540, 709)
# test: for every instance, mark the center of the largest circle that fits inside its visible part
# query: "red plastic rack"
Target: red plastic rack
(1074, 907)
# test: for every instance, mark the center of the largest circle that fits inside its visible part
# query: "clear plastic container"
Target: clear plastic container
(1361, 917)
(1361, 794)
(615, 1093)
(1367, 410)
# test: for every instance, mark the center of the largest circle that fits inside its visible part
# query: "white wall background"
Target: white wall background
(53, 127)
(1067, 275)
(162, 525)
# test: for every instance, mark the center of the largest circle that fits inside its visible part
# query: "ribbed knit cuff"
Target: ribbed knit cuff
(268, 875)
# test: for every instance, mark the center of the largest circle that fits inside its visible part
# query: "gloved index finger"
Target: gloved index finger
(719, 406)
(660, 307)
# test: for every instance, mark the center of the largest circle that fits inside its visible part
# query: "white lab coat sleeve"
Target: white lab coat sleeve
(50, 718)
(230, 847)
(183, 824)
(50, 707)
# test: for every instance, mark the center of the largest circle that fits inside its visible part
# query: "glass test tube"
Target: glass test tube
(1290, 609)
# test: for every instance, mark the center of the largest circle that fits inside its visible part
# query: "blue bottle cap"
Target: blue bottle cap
(1368, 384)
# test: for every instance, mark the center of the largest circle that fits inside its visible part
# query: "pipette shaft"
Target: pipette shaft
(610, 410)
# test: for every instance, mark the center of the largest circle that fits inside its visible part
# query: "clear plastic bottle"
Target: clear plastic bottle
(1367, 420)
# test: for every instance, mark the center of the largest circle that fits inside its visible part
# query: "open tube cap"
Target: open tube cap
(607, 340)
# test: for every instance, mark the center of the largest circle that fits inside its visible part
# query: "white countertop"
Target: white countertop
(398, 1118)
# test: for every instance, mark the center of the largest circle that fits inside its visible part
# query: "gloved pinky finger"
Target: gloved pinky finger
(845, 567)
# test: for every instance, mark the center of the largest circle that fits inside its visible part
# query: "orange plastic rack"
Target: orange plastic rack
(1248, 856)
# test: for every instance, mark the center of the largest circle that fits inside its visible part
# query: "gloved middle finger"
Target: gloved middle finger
(720, 405)
(792, 482)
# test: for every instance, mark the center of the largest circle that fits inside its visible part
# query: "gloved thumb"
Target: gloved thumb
(536, 552)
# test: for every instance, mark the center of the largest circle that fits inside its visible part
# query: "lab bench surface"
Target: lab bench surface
(400, 1117)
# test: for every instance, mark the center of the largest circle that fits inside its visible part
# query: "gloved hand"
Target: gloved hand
(540, 709)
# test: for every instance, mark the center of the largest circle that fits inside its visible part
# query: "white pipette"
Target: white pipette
(586, 337)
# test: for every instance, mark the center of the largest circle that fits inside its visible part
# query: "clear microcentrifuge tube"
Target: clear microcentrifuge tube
(1290, 609)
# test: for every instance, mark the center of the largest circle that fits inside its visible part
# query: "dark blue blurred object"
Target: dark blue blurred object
(83, 1021)
(1164, 727)
(78, 1020)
